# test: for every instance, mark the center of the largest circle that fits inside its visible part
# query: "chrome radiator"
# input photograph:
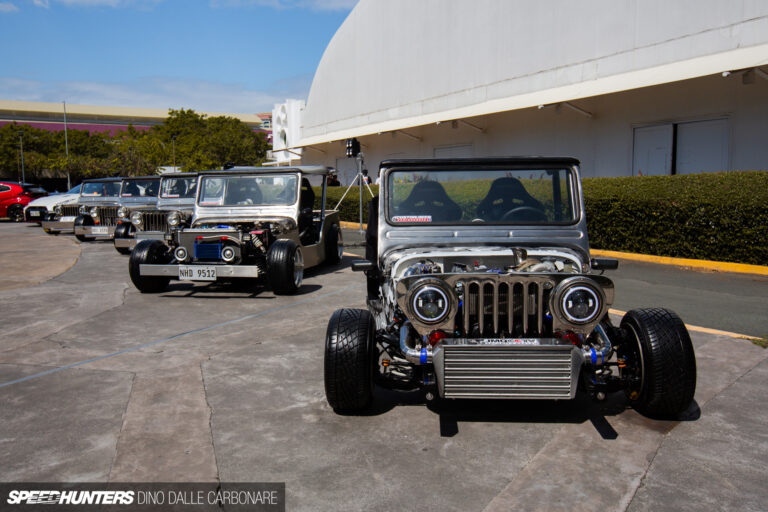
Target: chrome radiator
(107, 215)
(70, 210)
(154, 221)
(508, 305)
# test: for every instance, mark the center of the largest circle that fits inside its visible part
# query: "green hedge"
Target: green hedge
(722, 216)
(712, 216)
(348, 210)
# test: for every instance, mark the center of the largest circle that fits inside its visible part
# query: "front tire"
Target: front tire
(123, 230)
(661, 362)
(285, 264)
(16, 213)
(82, 220)
(50, 217)
(349, 360)
(148, 252)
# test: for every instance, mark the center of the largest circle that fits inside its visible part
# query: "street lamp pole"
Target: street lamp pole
(21, 144)
(173, 146)
(66, 144)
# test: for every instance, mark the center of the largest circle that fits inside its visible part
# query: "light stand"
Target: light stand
(353, 151)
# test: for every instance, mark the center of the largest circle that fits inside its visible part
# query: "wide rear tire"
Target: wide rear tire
(334, 245)
(349, 360)
(661, 354)
(148, 252)
(285, 263)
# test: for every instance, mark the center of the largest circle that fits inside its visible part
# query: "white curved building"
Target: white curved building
(629, 87)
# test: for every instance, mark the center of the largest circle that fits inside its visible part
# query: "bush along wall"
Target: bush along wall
(348, 210)
(711, 216)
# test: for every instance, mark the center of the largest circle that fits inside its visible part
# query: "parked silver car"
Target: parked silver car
(93, 193)
(150, 221)
(248, 222)
(481, 285)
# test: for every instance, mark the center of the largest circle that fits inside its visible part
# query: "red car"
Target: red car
(15, 196)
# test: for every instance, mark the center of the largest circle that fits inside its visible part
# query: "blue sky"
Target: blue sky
(239, 56)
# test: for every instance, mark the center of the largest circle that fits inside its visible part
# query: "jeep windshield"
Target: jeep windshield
(260, 190)
(499, 196)
(175, 188)
(140, 188)
(101, 189)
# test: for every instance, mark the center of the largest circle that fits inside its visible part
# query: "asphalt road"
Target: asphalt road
(717, 300)
(213, 382)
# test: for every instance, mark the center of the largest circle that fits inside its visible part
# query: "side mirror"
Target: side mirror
(363, 265)
(604, 264)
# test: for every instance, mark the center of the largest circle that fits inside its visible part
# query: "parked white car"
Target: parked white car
(37, 210)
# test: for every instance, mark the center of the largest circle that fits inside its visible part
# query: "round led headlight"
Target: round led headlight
(580, 304)
(94, 212)
(83, 210)
(181, 253)
(430, 304)
(122, 212)
(174, 219)
(57, 209)
(136, 219)
(228, 254)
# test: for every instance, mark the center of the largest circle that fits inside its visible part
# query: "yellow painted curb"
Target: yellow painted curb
(352, 225)
(718, 266)
(696, 328)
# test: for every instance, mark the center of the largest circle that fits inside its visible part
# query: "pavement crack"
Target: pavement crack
(210, 418)
(122, 428)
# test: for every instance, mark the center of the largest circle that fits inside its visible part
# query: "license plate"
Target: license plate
(34, 213)
(197, 273)
(100, 230)
(66, 219)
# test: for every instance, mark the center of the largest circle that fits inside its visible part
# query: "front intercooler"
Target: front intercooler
(548, 371)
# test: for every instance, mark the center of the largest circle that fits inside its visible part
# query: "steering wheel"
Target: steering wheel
(537, 214)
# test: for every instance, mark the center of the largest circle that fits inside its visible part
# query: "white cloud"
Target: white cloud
(158, 92)
(8, 7)
(318, 5)
(99, 3)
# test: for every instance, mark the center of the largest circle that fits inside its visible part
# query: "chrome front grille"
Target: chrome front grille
(506, 307)
(472, 371)
(107, 215)
(70, 210)
(154, 221)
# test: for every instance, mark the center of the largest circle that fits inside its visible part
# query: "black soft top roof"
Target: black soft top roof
(304, 169)
(492, 161)
(101, 180)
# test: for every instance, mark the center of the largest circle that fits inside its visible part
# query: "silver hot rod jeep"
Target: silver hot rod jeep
(480, 285)
(247, 222)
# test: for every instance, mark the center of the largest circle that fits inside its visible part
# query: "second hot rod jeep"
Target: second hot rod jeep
(150, 220)
(248, 222)
(481, 285)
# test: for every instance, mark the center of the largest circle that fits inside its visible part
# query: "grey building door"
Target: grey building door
(652, 153)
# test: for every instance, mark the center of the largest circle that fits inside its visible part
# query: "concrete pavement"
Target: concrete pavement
(207, 382)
